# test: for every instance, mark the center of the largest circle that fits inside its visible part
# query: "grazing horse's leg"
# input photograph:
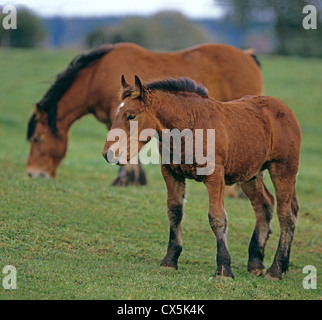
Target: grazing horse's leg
(218, 220)
(263, 205)
(175, 196)
(287, 208)
(234, 191)
(130, 175)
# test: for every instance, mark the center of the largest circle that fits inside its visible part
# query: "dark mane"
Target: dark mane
(178, 85)
(172, 85)
(63, 81)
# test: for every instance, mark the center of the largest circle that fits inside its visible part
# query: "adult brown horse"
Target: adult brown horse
(90, 85)
(253, 133)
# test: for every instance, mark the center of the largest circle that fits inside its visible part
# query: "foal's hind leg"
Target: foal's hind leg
(287, 208)
(263, 205)
(175, 197)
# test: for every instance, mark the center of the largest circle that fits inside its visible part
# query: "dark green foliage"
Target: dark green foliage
(29, 32)
(163, 31)
(286, 18)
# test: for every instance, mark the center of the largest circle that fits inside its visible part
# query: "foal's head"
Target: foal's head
(138, 117)
(132, 115)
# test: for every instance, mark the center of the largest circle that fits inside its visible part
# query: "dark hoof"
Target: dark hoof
(130, 175)
(273, 273)
(255, 268)
(256, 272)
(168, 263)
(224, 271)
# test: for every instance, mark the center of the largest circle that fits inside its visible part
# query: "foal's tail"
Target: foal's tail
(252, 53)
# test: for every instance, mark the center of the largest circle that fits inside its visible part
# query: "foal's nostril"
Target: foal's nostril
(110, 156)
(29, 174)
(104, 154)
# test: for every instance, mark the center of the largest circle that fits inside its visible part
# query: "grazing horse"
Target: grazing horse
(90, 85)
(252, 134)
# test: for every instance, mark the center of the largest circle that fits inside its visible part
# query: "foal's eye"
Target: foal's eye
(131, 117)
(36, 139)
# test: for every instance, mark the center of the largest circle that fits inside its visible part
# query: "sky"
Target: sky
(190, 8)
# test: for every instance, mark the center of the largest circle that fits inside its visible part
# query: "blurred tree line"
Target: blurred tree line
(162, 31)
(286, 18)
(29, 32)
(275, 24)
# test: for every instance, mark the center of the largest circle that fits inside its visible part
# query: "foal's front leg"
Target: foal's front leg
(176, 192)
(218, 221)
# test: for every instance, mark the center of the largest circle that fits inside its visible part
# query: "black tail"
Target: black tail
(251, 52)
(256, 59)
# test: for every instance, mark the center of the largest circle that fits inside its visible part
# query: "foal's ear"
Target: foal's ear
(139, 89)
(124, 83)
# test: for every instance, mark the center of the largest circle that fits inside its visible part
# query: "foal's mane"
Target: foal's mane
(178, 85)
(63, 81)
(173, 85)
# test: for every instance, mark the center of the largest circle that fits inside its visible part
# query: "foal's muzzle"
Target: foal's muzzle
(109, 156)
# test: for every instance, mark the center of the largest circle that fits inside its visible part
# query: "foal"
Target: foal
(253, 133)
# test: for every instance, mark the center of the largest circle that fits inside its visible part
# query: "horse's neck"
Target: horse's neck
(68, 113)
(74, 104)
(172, 114)
(80, 100)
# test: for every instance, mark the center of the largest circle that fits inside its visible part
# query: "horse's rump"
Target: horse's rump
(259, 129)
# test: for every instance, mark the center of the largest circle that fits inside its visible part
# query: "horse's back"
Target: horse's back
(227, 72)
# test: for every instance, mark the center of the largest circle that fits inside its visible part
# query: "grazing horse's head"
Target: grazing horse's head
(48, 132)
(47, 145)
(133, 114)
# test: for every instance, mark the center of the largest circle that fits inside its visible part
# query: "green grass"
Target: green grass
(78, 238)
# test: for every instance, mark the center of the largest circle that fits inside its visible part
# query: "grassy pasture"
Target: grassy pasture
(78, 238)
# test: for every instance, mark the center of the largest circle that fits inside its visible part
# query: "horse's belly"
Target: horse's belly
(244, 166)
(230, 179)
